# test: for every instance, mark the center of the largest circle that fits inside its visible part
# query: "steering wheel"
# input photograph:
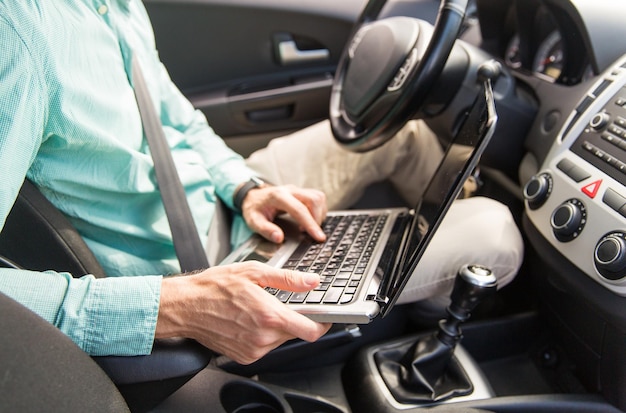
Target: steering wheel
(386, 72)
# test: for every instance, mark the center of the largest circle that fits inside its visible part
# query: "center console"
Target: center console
(577, 201)
(575, 220)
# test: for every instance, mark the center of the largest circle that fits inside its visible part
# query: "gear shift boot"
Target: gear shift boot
(422, 371)
(426, 370)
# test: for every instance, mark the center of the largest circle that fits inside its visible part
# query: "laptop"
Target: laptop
(369, 255)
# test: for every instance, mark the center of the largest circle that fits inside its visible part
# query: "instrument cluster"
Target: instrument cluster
(539, 41)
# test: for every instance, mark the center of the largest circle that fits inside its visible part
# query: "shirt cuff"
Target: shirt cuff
(120, 315)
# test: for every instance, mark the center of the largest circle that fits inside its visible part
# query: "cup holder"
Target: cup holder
(303, 404)
(249, 397)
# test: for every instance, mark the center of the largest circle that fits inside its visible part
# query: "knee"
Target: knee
(501, 245)
(480, 230)
(416, 137)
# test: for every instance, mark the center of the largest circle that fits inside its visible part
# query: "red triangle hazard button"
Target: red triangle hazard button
(592, 189)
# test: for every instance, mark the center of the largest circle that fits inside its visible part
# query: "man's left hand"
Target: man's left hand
(306, 206)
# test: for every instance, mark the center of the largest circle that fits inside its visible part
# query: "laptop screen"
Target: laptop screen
(460, 159)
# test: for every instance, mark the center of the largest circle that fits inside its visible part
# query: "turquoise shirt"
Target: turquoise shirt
(70, 123)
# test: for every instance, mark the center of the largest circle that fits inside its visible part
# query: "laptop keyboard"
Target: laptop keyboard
(340, 261)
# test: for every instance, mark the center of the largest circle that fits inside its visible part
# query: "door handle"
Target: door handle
(289, 53)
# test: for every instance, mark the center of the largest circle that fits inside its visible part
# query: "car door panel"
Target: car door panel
(226, 57)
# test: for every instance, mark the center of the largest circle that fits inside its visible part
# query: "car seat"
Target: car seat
(43, 370)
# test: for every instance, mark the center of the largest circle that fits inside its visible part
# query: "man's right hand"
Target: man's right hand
(227, 310)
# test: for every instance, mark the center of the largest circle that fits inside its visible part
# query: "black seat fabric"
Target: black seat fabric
(37, 236)
(42, 370)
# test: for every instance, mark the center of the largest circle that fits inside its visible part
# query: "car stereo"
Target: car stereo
(577, 200)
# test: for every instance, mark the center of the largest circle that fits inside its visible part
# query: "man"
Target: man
(69, 122)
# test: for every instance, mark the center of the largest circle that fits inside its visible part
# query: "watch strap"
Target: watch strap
(240, 195)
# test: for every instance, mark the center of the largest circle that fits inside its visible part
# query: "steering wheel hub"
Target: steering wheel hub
(378, 53)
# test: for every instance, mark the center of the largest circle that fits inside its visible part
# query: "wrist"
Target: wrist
(170, 321)
(242, 191)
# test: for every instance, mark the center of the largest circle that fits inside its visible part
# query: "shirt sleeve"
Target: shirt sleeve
(103, 316)
(227, 168)
(23, 99)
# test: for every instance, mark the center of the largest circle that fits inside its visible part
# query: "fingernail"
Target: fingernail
(321, 234)
(311, 279)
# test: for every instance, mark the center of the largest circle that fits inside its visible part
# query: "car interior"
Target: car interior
(552, 340)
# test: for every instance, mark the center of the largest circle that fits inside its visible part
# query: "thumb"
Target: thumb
(271, 232)
(266, 228)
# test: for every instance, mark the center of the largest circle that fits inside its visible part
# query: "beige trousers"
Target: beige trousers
(475, 230)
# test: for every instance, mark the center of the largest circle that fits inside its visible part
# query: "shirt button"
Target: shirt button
(103, 9)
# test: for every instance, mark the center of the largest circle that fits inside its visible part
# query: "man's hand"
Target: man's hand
(226, 309)
(306, 206)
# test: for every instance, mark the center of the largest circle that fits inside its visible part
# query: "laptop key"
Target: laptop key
(283, 296)
(340, 282)
(301, 250)
(322, 287)
(298, 297)
(315, 297)
(333, 294)
(346, 298)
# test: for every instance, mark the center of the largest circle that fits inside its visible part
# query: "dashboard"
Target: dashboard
(537, 38)
(576, 196)
(565, 58)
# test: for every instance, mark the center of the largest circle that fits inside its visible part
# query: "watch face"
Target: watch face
(258, 181)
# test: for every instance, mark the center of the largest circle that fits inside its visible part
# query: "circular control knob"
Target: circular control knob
(568, 220)
(610, 256)
(537, 190)
(599, 121)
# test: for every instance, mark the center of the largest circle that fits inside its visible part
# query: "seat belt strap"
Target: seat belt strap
(187, 244)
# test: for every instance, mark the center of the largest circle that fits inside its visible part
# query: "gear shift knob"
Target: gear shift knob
(473, 283)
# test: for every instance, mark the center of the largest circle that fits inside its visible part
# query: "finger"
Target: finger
(315, 201)
(292, 324)
(303, 216)
(267, 276)
(288, 280)
(259, 223)
(303, 327)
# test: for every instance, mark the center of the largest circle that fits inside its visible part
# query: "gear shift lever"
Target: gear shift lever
(426, 370)
(473, 283)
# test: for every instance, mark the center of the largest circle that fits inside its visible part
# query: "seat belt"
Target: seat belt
(187, 244)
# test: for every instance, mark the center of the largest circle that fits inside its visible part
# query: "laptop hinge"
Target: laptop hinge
(382, 300)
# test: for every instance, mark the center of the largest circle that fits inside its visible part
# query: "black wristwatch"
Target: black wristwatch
(240, 195)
